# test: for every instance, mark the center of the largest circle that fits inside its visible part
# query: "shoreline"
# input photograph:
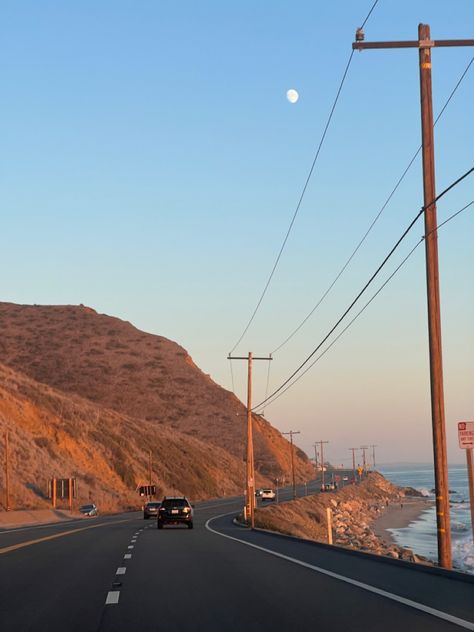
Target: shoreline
(396, 517)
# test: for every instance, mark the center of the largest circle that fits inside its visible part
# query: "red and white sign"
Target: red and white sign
(466, 434)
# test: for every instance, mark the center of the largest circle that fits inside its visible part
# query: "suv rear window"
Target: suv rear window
(176, 502)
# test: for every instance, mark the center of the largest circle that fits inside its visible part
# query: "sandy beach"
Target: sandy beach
(397, 516)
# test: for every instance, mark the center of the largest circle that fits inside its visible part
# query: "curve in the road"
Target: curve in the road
(383, 593)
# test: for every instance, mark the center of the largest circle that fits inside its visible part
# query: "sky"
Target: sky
(151, 165)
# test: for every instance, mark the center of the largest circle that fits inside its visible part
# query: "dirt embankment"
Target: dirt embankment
(354, 509)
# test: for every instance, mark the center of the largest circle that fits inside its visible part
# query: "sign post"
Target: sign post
(466, 442)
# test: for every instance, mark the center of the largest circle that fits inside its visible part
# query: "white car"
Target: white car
(268, 494)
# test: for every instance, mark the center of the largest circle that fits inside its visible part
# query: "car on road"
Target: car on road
(175, 510)
(327, 487)
(88, 510)
(258, 492)
(268, 494)
(150, 509)
(345, 478)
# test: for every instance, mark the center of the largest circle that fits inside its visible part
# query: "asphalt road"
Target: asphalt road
(83, 575)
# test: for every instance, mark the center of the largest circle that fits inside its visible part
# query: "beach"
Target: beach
(399, 516)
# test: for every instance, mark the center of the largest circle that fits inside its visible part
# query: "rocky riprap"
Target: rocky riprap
(354, 510)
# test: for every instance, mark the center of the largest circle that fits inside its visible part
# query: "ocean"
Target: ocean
(420, 535)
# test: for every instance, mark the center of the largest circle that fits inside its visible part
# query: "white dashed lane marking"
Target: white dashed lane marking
(112, 597)
(130, 546)
(127, 556)
(121, 570)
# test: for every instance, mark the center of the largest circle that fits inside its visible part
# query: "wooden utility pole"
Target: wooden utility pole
(470, 476)
(291, 433)
(364, 461)
(424, 45)
(353, 463)
(53, 491)
(7, 474)
(70, 493)
(321, 443)
(250, 482)
(315, 446)
(373, 455)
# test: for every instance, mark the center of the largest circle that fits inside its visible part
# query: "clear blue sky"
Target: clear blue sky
(150, 165)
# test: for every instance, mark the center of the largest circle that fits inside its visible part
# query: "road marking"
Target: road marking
(378, 591)
(130, 546)
(127, 556)
(121, 570)
(21, 545)
(112, 597)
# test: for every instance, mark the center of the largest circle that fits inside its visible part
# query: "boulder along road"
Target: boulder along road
(120, 573)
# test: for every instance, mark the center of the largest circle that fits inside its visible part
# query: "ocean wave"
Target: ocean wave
(425, 492)
(463, 555)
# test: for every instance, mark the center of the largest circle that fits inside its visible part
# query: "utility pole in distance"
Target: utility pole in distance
(353, 463)
(7, 474)
(364, 461)
(250, 483)
(291, 433)
(373, 454)
(321, 443)
(315, 445)
(424, 45)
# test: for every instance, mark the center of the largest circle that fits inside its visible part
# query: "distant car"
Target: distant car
(268, 494)
(150, 509)
(327, 487)
(345, 478)
(88, 510)
(258, 493)
(175, 510)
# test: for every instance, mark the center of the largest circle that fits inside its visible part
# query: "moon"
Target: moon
(292, 95)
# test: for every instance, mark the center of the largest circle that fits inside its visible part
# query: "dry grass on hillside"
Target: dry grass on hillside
(142, 376)
(55, 435)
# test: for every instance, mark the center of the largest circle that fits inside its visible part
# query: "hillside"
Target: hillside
(147, 380)
(55, 435)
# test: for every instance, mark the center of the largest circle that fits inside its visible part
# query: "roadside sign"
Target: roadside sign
(466, 434)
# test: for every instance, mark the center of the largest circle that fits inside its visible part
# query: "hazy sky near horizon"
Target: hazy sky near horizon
(151, 164)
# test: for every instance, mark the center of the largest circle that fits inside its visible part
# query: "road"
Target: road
(120, 573)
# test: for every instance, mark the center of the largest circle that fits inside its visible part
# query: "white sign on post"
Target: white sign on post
(466, 434)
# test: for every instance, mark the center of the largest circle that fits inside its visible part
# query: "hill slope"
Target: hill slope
(139, 376)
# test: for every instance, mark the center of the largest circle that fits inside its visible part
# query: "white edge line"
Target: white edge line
(112, 597)
(378, 591)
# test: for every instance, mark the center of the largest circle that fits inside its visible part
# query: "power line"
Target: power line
(374, 221)
(300, 200)
(374, 275)
(350, 323)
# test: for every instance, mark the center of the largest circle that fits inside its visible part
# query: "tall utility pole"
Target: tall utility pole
(364, 461)
(353, 463)
(7, 474)
(373, 455)
(321, 443)
(315, 446)
(250, 483)
(424, 45)
(151, 474)
(291, 433)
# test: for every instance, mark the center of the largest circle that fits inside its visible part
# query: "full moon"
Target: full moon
(292, 96)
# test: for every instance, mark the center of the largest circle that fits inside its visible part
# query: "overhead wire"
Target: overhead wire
(372, 224)
(300, 200)
(351, 322)
(369, 282)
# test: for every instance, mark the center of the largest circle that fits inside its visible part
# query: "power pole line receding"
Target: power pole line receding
(291, 433)
(321, 443)
(424, 45)
(250, 482)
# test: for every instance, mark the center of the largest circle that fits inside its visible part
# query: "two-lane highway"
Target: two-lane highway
(123, 574)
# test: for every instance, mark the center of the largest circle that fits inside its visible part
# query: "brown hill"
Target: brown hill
(144, 379)
(51, 434)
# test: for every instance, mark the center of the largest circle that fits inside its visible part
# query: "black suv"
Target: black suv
(175, 510)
